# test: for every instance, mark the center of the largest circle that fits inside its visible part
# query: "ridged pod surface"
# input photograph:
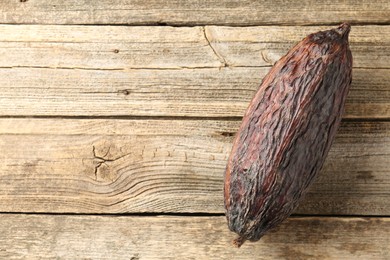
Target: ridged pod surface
(286, 133)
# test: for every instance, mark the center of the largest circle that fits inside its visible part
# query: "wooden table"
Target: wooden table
(117, 117)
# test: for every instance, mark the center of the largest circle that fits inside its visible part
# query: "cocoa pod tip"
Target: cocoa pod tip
(238, 242)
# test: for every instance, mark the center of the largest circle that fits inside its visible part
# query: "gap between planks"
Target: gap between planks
(165, 118)
(184, 214)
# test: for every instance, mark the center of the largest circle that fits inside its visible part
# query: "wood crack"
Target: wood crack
(219, 56)
(100, 160)
(266, 59)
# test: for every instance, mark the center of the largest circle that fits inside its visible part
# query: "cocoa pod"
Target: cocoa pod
(286, 133)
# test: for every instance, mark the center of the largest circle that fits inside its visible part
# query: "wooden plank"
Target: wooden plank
(113, 70)
(105, 237)
(122, 47)
(243, 46)
(192, 12)
(116, 166)
(189, 92)
(104, 47)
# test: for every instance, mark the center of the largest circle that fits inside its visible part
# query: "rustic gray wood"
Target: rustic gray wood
(97, 150)
(165, 71)
(116, 166)
(123, 47)
(141, 238)
(190, 12)
(104, 47)
(242, 46)
(189, 92)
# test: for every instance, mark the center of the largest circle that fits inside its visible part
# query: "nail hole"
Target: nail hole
(227, 134)
(124, 92)
(116, 51)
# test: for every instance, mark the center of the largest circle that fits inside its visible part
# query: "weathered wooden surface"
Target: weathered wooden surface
(122, 47)
(94, 237)
(96, 148)
(114, 166)
(190, 12)
(188, 92)
(240, 46)
(166, 71)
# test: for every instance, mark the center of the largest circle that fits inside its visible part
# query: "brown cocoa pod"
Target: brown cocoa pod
(286, 133)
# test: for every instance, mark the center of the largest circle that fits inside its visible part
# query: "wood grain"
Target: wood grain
(123, 47)
(165, 71)
(130, 166)
(104, 47)
(64, 68)
(189, 92)
(192, 12)
(141, 238)
(242, 46)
